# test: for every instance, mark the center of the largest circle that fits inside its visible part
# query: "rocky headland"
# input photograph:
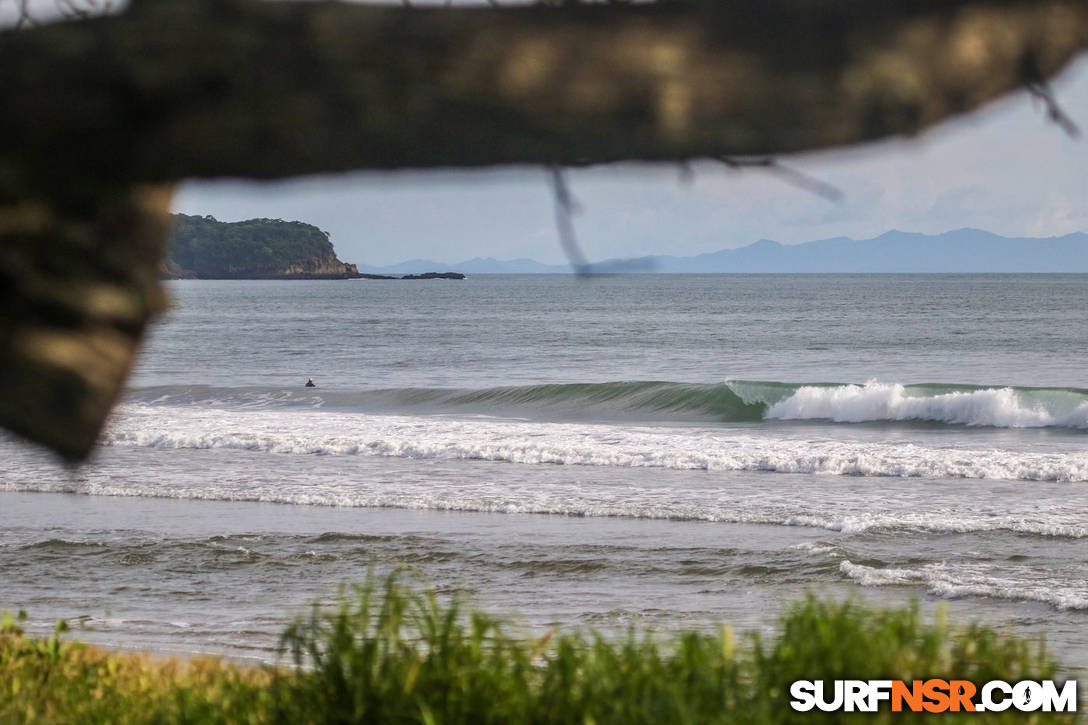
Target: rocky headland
(202, 247)
(206, 248)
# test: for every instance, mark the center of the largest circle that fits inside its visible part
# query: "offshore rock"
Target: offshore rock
(435, 275)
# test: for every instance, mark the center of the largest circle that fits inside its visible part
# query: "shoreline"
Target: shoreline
(165, 559)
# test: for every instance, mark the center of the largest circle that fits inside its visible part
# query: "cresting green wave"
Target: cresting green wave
(748, 401)
(736, 401)
(719, 402)
(751, 401)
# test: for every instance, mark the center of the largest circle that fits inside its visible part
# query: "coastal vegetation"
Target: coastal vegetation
(203, 247)
(388, 654)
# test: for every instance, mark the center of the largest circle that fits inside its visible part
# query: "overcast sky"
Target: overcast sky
(1005, 169)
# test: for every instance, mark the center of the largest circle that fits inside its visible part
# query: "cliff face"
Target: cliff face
(205, 248)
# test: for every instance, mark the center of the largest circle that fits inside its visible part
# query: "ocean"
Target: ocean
(659, 451)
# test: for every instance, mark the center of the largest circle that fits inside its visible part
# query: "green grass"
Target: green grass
(390, 655)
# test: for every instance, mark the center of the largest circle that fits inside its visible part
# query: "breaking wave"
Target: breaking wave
(997, 407)
(733, 401)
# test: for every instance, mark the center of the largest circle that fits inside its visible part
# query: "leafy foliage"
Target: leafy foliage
(390, 655)
(204, 247)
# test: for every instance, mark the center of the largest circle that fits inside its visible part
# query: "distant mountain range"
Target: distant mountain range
(962, 250)
(477, 265)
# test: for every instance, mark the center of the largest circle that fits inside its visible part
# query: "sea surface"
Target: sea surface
(665, 452)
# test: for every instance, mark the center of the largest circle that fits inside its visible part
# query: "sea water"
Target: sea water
(667, 452)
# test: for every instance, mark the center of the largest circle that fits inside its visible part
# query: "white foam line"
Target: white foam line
(949, 582)
(486, 497)
(874, 401)
(320, 433)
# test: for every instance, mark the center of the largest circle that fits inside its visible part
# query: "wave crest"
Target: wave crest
(733, 401)
(874, 401)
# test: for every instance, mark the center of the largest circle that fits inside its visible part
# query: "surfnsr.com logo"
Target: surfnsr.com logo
(933, 695)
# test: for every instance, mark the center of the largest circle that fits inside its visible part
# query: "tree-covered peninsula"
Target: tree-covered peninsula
(202, 247)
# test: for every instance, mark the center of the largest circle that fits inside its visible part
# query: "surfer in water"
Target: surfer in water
(310, 383)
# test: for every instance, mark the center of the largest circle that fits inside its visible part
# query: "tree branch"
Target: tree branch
(78, 284)
(201, 88)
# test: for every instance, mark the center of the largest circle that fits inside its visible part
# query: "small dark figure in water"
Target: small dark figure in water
(310, 383)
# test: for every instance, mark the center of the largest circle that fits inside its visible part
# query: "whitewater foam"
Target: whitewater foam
(963, 580)
(875, 401)
(325, 433)
(589, 501)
